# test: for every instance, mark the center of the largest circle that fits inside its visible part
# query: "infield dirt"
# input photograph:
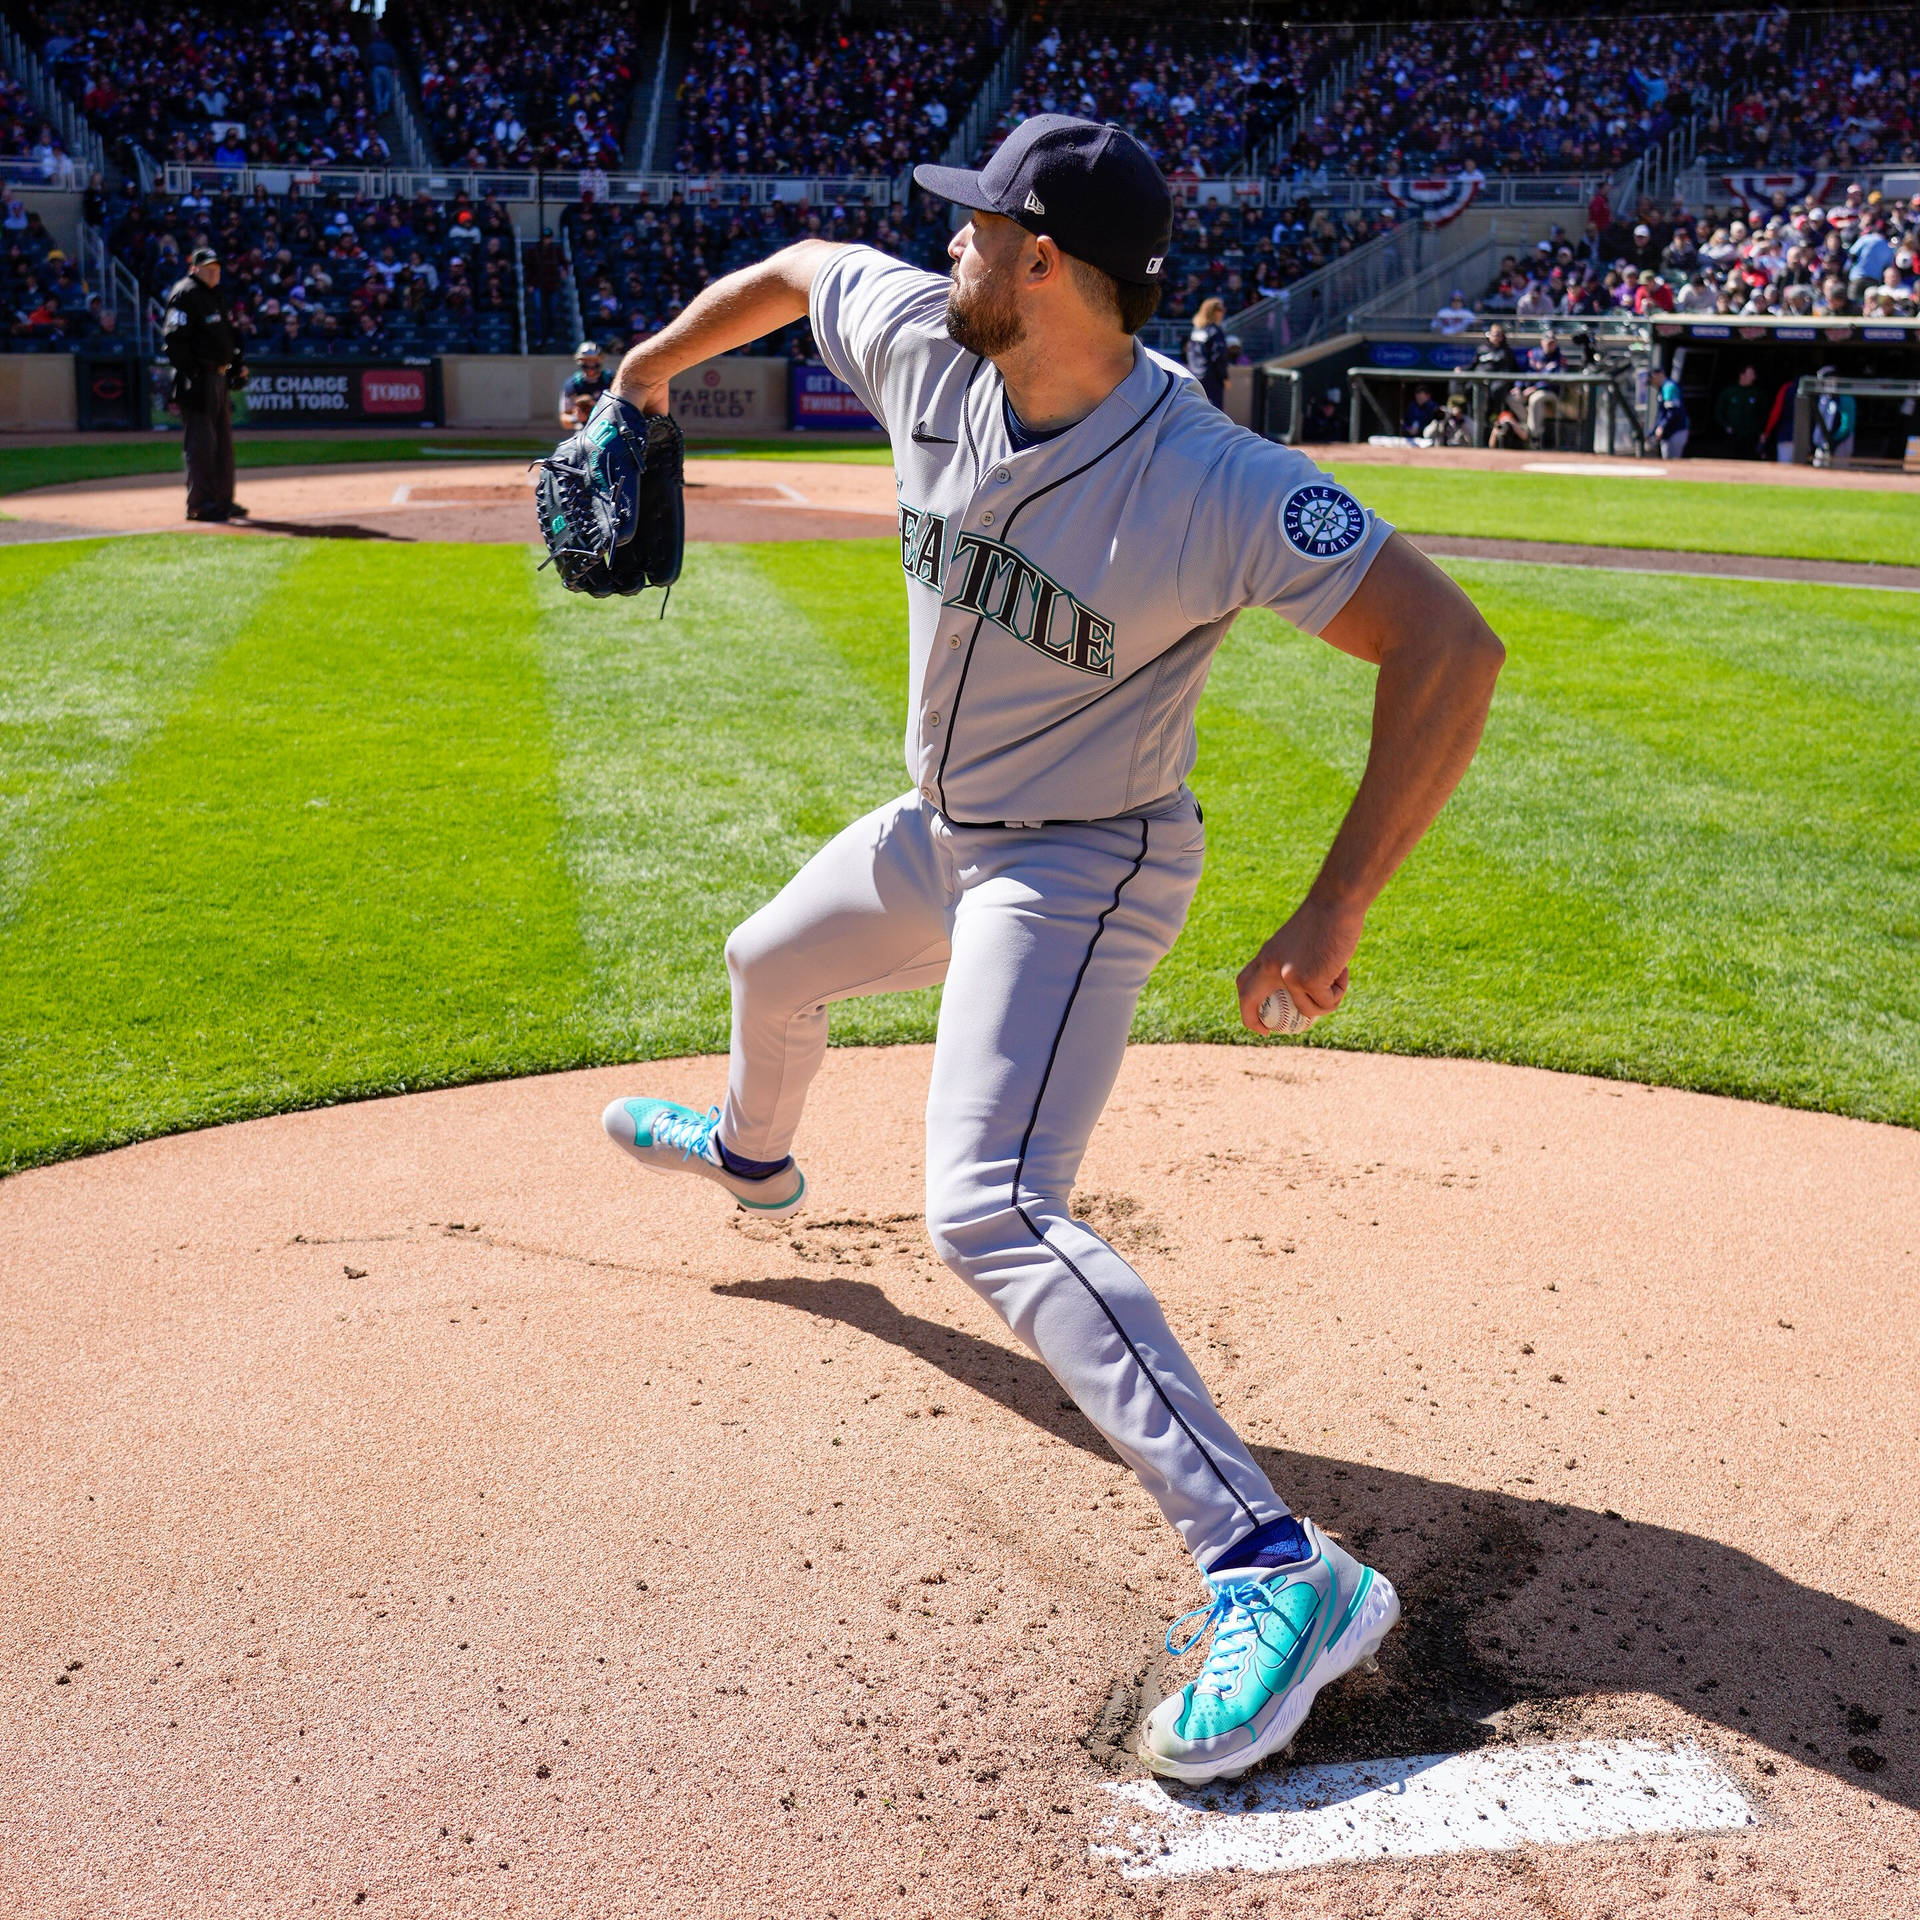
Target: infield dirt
(416, 1501)
(758, 500)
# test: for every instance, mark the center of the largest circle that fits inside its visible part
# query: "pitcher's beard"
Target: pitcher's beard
(984, 321)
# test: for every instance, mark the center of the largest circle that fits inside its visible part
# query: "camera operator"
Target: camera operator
(205, 356)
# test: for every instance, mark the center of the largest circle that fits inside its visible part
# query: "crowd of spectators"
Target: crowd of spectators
(1834, 91)
(307, 277)
(636, 266)
(824, 98)
(282, 87)
(1245, 254)
(1521, 96)
(46, 305)
(1198, 108)
(504, 86)
(25, 135)
(1856, 258)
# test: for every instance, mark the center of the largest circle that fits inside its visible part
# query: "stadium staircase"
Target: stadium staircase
(76, 132)
(1268, 155)
(653, 127)
(969, 133)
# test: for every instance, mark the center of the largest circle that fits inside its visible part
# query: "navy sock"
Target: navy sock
(749, 1169)
(1277, 1544)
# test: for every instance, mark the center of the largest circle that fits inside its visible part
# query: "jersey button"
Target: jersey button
(933, 719)
(1003, 474)
(953, 639)
(986, 519)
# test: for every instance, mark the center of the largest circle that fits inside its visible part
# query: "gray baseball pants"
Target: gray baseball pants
(1044, 937)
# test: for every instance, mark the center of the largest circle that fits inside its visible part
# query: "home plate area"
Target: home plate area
(1550, 1795)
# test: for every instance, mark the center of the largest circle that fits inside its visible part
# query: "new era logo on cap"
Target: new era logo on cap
(1106, 202)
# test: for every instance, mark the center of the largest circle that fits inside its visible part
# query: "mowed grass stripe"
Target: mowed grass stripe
(336, 871)
(703, 758)
(1651, 871)
(1687, 516)
(1686, 854)
(99, 643)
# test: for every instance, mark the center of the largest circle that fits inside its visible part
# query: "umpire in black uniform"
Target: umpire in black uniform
(205, 355)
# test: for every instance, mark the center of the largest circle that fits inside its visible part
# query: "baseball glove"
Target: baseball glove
(611, 509)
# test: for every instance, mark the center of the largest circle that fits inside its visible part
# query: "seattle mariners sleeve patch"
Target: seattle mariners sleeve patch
(1322, 521)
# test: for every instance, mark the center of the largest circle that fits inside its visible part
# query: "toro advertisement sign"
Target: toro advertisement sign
(322, 393)
(296, 392)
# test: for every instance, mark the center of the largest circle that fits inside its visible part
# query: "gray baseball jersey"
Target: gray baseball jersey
(1065, 601)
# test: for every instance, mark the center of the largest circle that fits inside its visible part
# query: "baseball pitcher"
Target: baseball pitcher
(1078, 529)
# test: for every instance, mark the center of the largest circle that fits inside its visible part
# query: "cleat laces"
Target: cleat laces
(1238, 1617)
(688, 1131)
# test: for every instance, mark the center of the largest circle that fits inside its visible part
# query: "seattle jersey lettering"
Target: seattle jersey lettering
(923, 543)
(1002, 584)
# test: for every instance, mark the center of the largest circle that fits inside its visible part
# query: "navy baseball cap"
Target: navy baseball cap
(1093, 190)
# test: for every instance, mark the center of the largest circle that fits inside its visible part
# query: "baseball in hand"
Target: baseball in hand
(1278, 1014)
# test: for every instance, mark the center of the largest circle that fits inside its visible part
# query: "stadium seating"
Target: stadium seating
(1198, 108)
(1841, 90)
(636, 267)
(25, 135)
(503, 85)
(45, 305)
(280, 87)
(1513, 96)
(1803, 259)
(1246, 254)
(337, 277)
(822, 97)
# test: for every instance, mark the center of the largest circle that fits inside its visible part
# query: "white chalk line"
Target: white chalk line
(1600, 468)
(1486, 1802)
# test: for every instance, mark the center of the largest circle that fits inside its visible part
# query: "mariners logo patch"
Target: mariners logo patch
(1322, 520)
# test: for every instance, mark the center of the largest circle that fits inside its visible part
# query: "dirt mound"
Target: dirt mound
(416, 1500)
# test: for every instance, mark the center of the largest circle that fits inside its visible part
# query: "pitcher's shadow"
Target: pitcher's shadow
(1638, 1608)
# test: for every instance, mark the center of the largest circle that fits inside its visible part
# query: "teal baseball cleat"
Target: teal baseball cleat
(1280, 1634)
(673, 1139)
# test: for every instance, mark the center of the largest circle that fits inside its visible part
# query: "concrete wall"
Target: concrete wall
(37, 393)
(738, 394)
(59, 209)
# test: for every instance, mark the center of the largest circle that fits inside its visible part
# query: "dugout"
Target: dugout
(1307, 395)
(1876, 364)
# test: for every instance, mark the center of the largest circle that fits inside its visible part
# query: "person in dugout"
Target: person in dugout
(204, 352)
(582, 387)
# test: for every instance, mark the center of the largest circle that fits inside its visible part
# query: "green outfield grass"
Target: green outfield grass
(1691, 516)
(284, 823)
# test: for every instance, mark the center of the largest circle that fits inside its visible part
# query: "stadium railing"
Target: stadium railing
(380, 183)
(1332, 84)
(662, 66)
(22, 170)
(1322, 302)
(86, 148)
(1710, 184)
(1412, 300)
(995, 91)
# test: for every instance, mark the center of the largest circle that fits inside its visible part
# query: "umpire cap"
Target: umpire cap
(1093, 190)
(204, 257)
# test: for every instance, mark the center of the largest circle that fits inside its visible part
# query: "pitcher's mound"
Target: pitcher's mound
(480, 500)
(418, 1501)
